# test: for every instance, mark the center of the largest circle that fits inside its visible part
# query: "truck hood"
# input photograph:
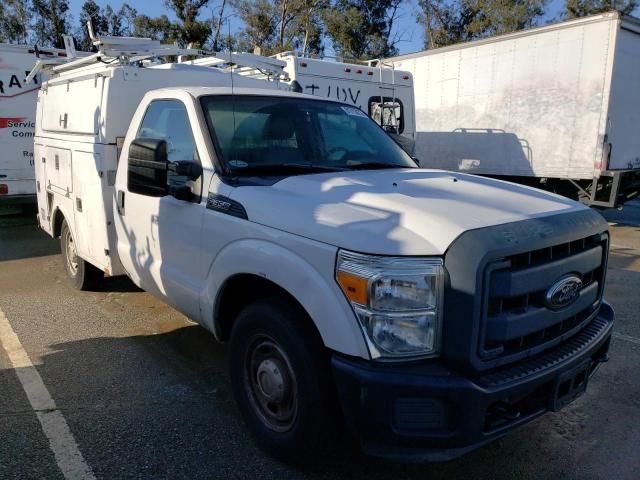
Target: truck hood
(394, 212)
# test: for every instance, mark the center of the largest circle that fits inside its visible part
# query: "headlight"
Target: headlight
(398, 301)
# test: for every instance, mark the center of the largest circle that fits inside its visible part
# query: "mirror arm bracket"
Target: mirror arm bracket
(185, 168)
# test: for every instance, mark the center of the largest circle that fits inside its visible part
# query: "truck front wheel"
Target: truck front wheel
(82, 274)
(280, 377)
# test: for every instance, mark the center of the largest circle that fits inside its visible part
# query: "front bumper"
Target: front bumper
(427, 412)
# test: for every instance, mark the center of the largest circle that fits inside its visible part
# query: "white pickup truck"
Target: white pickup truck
(427, 311)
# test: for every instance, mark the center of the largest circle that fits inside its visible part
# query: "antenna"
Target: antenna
(233, 97)
(231, 65)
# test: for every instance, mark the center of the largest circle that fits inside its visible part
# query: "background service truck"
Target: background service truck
(17, 121)
(429, 312)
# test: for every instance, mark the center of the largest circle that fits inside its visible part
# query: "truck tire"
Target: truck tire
(281, 380)
(82, 274)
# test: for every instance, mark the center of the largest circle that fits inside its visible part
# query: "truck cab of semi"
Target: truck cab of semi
(425, 311)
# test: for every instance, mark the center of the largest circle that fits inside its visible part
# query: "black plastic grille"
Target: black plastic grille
(516, 319)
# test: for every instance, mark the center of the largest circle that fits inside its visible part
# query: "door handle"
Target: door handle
(120, 202)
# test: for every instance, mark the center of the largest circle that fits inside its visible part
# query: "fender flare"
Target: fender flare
(323, 300)
(60, 209)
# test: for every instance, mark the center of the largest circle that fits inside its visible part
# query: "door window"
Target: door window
(168, 120)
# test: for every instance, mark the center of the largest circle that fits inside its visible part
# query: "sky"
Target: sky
(412, 37)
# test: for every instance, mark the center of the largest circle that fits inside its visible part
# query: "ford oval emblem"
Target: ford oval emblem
(564, 292)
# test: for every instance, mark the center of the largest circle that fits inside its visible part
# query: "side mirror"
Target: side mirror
(147, 167)
(406, 144)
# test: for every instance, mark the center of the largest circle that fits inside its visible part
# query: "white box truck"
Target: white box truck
(556, 107)
(427, 312)
(17, 121)
(379, 90)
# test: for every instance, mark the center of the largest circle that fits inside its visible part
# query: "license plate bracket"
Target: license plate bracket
(570, 385)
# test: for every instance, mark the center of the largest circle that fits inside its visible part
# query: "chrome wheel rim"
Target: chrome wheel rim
(71, 254)
(271, 384)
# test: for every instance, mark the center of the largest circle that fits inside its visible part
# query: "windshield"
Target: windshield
(280, 135)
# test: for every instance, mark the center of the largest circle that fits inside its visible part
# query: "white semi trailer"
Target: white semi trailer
(556, 107)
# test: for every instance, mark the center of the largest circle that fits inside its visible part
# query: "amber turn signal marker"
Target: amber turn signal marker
(354, 287)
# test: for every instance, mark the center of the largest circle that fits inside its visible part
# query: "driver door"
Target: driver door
(158, 234)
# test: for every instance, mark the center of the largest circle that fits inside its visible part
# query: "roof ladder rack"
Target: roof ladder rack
(264, 65)
(122, 50)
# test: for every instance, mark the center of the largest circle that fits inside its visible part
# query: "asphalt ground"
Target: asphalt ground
(144, 392)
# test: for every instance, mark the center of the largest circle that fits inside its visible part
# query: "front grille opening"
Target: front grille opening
(512, 307)
(563, 250)
(534, 339)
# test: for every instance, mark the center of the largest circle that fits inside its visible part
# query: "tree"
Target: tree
(14, 20)
(127, 15)
(447, 22)
(260, 24)
(189, 29)
(113, 21)
(310, 27)
(582, 8)
(362, 28)
(3, 28)
(218, 23)
(51, 22)
(90, 12)
(159, 28)
(280, 25)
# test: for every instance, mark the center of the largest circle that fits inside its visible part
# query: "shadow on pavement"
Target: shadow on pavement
(20, 238)
(160, 406)
(120, 284)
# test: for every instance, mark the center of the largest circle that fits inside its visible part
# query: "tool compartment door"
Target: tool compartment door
(63, 112)
(89, 207)
(58, 170)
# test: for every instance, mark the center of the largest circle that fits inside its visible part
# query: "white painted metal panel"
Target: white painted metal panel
(89, 203)
(624, 106)
(73, 106)
(528, 104)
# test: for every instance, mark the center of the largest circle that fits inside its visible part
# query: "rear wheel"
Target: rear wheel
(82, 274)
(281, 380)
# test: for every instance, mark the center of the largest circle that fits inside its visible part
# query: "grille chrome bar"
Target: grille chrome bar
(512, 324)
(521, 281)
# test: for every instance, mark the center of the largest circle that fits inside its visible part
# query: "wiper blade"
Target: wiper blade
(374, 166)
(283, 168)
